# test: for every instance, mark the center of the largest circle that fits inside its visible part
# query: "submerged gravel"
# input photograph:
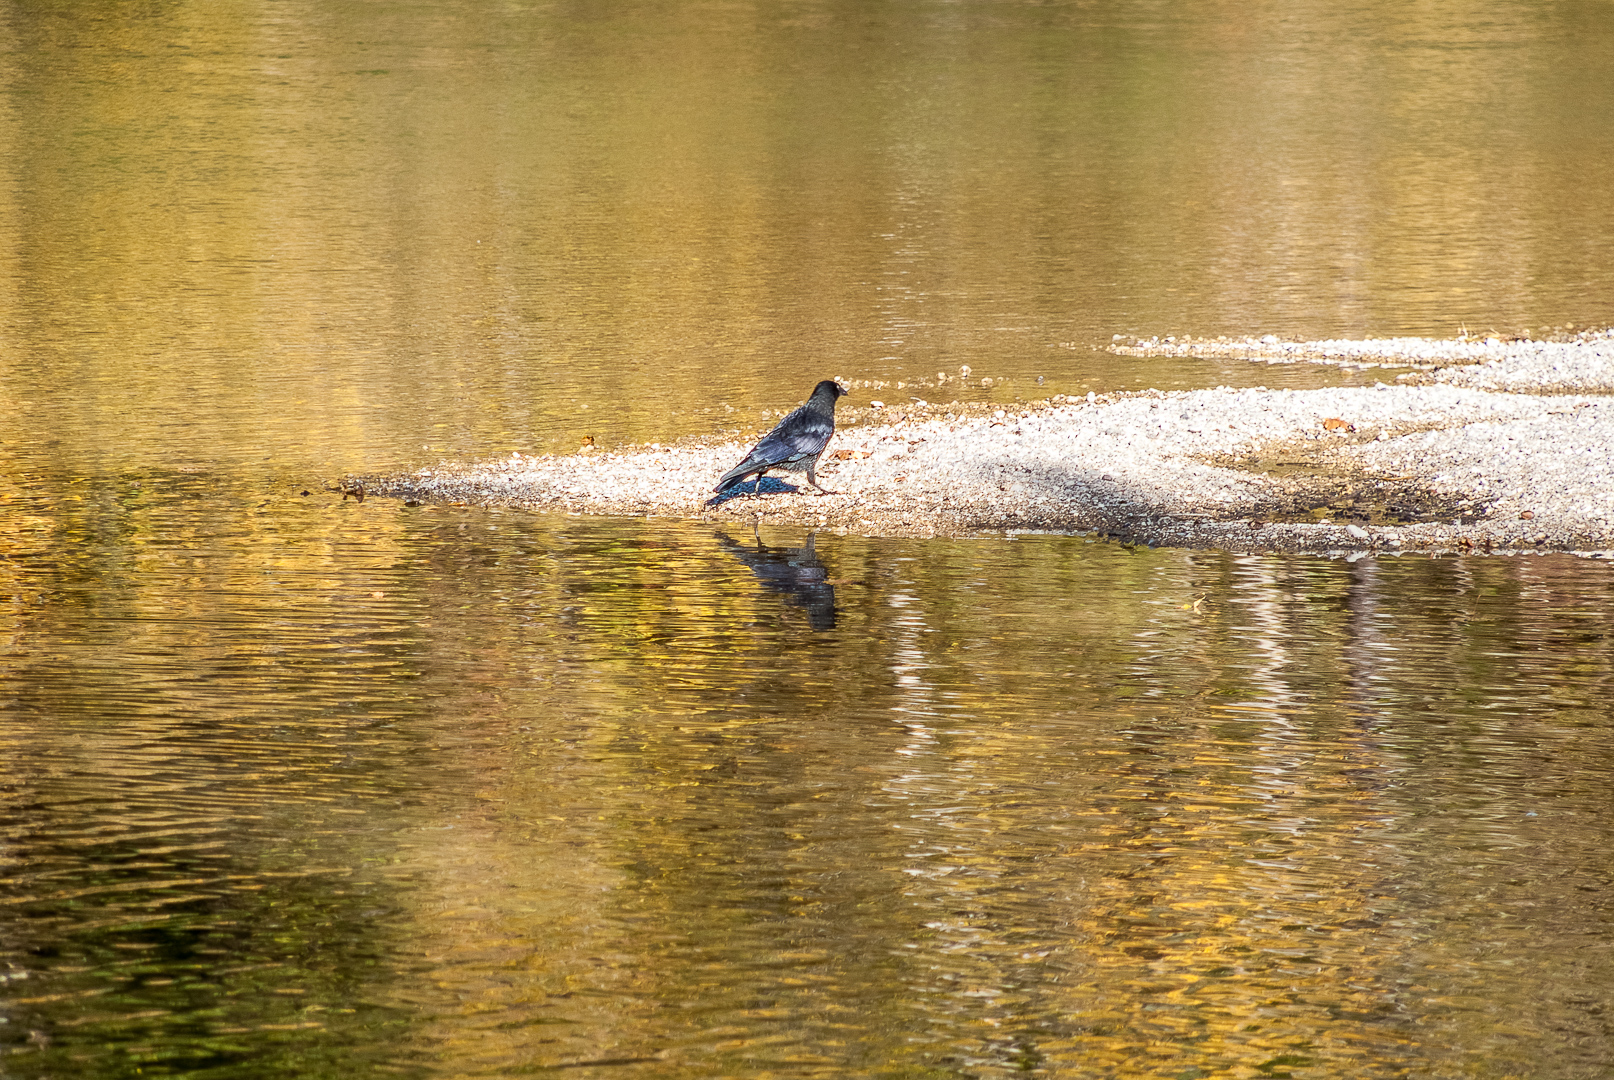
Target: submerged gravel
(1508, 451)
(1563, 364)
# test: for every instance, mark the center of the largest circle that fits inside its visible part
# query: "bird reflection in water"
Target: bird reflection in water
(795, 572)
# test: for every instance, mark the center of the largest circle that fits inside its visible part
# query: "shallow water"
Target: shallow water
(293, 786)
(463, 793)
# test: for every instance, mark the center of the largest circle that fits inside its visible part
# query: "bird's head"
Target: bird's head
(830, 389)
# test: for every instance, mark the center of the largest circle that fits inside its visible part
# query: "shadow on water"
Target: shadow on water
(797, 573)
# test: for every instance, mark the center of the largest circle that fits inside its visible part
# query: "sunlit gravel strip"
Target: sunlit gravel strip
(1526, 464)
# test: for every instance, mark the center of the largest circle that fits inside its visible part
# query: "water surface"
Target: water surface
(480, 794)
(292, 786)
(354, 234)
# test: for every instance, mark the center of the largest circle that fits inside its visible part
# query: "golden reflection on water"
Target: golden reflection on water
(471, 792)
(902, 848)
(377, 234)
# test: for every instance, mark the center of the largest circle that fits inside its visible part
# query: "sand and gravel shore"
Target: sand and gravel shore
(1473, 445)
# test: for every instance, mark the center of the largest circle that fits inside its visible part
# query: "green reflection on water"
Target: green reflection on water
(538, 792)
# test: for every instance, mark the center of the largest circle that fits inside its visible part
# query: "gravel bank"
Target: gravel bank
(1485, 446)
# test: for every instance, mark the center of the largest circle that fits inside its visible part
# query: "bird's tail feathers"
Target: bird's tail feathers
(735, 476)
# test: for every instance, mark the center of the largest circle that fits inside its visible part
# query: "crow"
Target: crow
(795, 444)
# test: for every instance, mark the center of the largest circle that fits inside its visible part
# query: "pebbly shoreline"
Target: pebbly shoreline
(1484, 446)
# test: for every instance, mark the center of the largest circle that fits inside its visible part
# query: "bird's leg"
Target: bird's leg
(756, 488)
(813, 480)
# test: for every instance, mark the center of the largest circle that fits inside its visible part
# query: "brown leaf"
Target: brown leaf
(1334, 423)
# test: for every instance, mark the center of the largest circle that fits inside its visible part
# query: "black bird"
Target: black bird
(795, 444)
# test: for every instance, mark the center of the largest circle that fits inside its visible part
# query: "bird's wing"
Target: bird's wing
(801, 435)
